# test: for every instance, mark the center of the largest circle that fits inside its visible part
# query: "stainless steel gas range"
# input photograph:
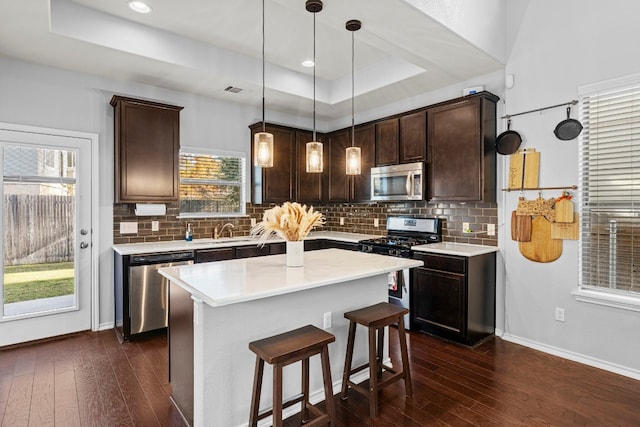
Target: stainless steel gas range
(402, 234)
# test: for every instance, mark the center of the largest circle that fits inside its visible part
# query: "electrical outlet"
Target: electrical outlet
(376, 222)
(491, 229)
(253, 222)
(326, 321)
(465, 227)
(155, 225)
(560, 314)
(128, 228)
(341, 220)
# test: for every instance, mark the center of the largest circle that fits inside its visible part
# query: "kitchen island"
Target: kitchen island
(217, 308)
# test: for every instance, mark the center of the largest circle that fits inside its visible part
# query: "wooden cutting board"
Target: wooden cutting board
(564, 211)
(520, 227)
(566, 230)
(524, 167)
(541, 248)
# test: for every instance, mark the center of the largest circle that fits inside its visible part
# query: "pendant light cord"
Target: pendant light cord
(264, 126)
(353, 119)
(314, 77)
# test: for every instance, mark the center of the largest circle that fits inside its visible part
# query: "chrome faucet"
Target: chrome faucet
(217, 234)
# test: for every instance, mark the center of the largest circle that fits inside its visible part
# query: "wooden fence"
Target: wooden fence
(38, 228)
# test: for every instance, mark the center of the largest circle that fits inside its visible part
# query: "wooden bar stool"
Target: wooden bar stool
(282, 350)
(376, 318)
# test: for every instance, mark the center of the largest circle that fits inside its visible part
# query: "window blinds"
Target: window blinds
(609, 169)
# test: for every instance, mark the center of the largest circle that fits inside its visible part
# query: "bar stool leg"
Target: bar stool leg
(305, 391)
(402, 336)
(328, 387)
(348, 359)
(373, 374)
(380, 348)
(257, 389)
(277, 395)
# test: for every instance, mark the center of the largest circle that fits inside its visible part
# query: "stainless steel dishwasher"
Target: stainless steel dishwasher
(149, 290)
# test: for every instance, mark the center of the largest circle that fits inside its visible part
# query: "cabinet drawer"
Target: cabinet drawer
(443, 262)
(251, 251)
(208, 255)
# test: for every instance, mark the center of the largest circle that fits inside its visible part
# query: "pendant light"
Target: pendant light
(353, 153)
(263, 141)
(314, 148)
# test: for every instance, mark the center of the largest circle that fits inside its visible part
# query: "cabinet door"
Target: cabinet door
(208, 255)
(438, 302)
(339, 184)
(277, 248)
(348, 246)
(313, 245)
(309, 185)
(413, 137)
(365, 139)
(387, 142)
(276, 184)
(461, 149)
(147, 145)
(251, 251)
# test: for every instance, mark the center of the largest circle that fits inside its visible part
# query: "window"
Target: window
(610, 188)
(212, 183)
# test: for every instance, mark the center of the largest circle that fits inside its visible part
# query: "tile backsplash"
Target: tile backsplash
(357, 218)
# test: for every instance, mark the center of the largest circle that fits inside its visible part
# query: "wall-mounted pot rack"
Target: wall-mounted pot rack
(566, 187)
(508, 116)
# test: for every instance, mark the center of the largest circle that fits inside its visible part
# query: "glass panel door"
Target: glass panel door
(46, 283)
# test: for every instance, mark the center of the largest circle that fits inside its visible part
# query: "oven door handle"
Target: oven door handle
(409, 184)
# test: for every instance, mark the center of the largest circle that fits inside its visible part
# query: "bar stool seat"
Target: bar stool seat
(376, 318)
(282, 350)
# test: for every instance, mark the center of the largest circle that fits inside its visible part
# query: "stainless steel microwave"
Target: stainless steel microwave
(398, 182)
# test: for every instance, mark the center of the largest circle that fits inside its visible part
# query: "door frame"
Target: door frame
(95, 238)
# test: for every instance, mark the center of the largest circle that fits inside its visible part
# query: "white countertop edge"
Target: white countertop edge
(460, 249)
(182, 245)
(376, 269)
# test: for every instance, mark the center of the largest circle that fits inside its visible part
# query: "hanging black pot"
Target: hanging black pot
(568, 128)
(508, 141)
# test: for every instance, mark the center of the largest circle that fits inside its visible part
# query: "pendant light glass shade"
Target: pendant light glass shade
(263, 149)
(263, 141)
(353, 161)
(314, 148)
(314, 157)
(353, 153)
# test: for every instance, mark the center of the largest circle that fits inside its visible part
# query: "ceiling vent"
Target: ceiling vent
(233, 89)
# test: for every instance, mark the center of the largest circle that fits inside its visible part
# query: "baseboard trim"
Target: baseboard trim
(106, 326)
(576, 357)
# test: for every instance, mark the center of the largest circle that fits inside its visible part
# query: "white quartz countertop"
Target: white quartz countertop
(239, 280)
(461, 249)
(182, 245)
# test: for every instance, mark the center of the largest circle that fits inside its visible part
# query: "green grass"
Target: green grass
(37, 281)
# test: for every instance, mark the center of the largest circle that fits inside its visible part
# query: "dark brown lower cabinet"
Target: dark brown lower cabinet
(251, 251)
(453, 297)
(180, 334)
(218, 254)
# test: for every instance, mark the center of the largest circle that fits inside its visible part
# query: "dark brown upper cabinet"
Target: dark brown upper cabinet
(146, 148)
(402, 139)
(309, 186)
(461, 135)
(276, 184)
(288, 179)
(387, 137)
(351, 188)
(413, 137)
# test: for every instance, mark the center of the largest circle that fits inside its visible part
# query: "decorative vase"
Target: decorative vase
(295, 253)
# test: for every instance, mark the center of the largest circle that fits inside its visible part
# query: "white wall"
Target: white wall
(559, 46)
(47, 97)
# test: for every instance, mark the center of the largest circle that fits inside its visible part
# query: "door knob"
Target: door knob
(84, 245)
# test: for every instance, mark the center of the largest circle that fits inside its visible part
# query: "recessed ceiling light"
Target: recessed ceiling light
(308, 63)
(139, 6)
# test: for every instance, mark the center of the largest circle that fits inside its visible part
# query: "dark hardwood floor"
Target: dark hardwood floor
(89, 379)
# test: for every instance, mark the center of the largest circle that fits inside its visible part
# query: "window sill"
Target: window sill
(623, 302)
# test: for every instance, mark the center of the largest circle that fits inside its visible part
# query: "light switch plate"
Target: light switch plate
(128, 228)
(253, 222)
(491, 229)
(376, 222)
(155, 225)
(341, 220)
